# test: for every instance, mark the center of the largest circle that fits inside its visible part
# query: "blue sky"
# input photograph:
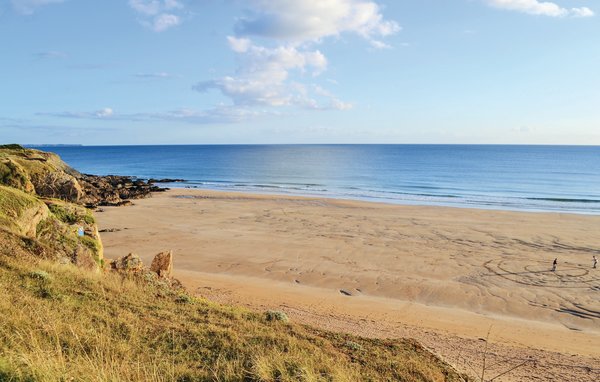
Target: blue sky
(304, 71)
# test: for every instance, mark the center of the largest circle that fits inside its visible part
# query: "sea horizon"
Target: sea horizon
(534, 178)
(43, 145)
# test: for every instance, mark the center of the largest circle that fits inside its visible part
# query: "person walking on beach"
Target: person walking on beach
(595, 260)
(554, 264)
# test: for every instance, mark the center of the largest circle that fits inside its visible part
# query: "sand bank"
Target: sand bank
(442, 275)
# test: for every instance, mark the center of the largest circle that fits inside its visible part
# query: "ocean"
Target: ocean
(507, 177)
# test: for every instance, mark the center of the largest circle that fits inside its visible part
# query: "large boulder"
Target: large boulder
(129, 263)
(58, 185)
(162, 264)
(83, 258)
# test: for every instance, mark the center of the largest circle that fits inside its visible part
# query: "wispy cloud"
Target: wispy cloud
(158, 15)
(28, 7)
(50, 54)
(541, 8)
(94, 66)
(11, 130)
(218, 114)
(103, 113)
(155, 75)
(5, 121)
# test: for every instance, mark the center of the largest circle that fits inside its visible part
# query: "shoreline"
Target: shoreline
(442, 275)
(381, 200)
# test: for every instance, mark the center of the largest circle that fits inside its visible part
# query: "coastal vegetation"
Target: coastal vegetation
(66, 316)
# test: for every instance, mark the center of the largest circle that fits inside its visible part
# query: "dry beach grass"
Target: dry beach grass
(63, 323)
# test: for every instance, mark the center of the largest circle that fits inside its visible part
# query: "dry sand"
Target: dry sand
(445, 276)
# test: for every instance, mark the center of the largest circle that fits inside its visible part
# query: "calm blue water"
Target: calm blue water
(532, 178)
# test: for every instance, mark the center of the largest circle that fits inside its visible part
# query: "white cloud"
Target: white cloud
(164, 21)
(158, 15)
(28, 7)
(380, 44)
(104, 113)
(173, 4)
(156, 75)
(278, 73)
(239, 45)
(146, 7)
(263, 77)
(313, 20)
(542, 8)
(582, 12)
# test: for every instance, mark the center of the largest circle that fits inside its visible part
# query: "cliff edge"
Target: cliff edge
(46, 175)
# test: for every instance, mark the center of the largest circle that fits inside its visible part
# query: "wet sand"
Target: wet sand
(445, 276)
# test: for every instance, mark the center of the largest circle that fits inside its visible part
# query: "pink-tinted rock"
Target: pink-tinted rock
(162, 264)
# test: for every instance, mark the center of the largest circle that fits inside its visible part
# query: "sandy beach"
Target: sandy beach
(448, 277)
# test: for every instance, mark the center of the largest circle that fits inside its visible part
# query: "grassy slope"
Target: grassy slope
(14, 206)
(60, 322)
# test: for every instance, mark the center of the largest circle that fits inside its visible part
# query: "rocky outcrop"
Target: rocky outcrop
(159, 273)
(46, 175)
(38, 172)
(59, 229)
(30, 219)
(44, 199)
(57, 185)
(127, 264)
(113, 190)
(162, 264)
(165, 180)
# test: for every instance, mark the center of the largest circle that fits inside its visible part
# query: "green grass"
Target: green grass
(70, 213)
(61, 323)
(12, 146)
(91, 244)
(13, 202)
(63, 214)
